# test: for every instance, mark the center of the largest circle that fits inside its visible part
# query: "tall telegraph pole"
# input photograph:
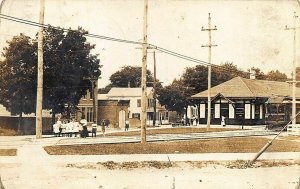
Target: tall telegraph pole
(154, 90)
(209, 29)
(144, 76)
(294, 71)
(39, 96)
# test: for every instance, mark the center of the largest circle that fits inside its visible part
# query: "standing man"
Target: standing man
(126, 125)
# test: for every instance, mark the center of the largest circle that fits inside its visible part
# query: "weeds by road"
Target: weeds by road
(239, 164)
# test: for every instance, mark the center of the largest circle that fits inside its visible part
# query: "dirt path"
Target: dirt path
(34, 170)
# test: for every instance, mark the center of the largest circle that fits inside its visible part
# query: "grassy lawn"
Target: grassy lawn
(225, 145)
(8, 152)
(176, 130)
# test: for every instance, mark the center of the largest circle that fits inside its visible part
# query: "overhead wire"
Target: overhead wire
(163, 50)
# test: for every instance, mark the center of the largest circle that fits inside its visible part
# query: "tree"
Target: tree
(67, 62)
(128, 76)
(175, 96)
(18, 77)
(276, 76)
(258, 73)
(196, 77)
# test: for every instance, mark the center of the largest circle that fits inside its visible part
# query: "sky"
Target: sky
(249, 33)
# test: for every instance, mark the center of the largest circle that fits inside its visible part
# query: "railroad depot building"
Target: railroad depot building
(246, 101)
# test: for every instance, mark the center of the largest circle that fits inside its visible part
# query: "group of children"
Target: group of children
(64, 128)
(68, 129)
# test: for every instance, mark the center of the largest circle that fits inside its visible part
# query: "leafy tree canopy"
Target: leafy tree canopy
(129, 76)
(276, 76)
(67, 63)
(175, 96)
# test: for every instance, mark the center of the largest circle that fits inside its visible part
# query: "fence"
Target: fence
(27, 125)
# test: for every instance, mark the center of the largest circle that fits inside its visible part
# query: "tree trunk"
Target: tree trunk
(53, 117)
(20, 130)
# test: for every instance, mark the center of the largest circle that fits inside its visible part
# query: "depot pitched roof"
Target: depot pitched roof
(239, 87)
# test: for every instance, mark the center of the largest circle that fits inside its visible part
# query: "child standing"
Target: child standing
(94, 129)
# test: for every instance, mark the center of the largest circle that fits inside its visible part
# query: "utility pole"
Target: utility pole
(294, 71)
(39, 95)
(154, 89)
(144, 76)
(1, 5)
(209, 29)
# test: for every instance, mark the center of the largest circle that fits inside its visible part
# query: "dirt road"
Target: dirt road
(213, 176)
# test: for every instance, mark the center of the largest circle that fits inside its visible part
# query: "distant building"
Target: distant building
(120, 104)
(85, 107)
(247, 101)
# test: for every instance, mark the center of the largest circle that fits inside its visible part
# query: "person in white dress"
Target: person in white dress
(223, 124)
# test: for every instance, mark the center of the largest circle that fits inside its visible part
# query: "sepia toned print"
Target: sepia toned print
(149, 94)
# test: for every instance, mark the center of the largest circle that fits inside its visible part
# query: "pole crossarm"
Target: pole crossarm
(209, 45)
(208, 29)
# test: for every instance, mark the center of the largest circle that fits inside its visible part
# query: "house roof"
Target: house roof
(239, 87)
(127, 92)
(102, 97)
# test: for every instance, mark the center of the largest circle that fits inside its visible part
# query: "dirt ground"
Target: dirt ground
(224, 145)
(179, 130)
(191, 175)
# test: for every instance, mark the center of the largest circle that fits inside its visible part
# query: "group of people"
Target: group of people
(68, 128)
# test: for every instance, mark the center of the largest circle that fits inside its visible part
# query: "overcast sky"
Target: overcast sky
(250, 33)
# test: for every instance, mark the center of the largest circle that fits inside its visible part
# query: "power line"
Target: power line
(161, 49)
(23, 21)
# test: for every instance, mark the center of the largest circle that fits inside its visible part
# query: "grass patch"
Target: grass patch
(8, 152)
(221, 145)
(179, 130)
(290, 137)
